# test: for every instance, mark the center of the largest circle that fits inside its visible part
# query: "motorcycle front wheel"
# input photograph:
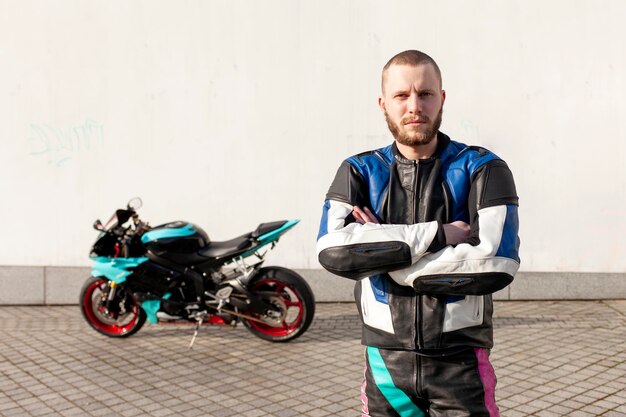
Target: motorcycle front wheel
(290, 293)
(126, 318)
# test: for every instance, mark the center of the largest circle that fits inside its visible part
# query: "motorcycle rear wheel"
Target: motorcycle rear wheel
(292, 295)
(95, 314)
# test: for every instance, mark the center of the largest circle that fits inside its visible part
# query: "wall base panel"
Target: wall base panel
(52, 285)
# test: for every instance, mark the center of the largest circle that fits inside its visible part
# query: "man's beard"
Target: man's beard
(414, 138)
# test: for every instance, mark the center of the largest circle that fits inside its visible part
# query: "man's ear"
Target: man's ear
(443, 96)
(381, 103)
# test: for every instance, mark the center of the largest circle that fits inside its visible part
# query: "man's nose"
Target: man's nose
(413, 104)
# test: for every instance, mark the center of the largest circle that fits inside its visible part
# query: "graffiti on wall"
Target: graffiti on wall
(59, 145)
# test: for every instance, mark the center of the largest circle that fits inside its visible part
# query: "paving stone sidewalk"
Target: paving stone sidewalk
(552, 359)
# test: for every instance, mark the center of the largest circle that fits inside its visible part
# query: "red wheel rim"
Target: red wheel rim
(291, 304)
(96, 318)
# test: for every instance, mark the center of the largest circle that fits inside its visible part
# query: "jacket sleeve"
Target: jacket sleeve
(351, 250)
(489, 260)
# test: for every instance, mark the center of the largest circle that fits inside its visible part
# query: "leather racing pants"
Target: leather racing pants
(405, 384)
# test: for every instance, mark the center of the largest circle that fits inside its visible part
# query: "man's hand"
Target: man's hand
(364, 216)
(456, 232)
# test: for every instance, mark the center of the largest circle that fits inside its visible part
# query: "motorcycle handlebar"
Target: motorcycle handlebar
(121, 216)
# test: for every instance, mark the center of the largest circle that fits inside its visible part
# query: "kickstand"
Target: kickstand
(199, 319)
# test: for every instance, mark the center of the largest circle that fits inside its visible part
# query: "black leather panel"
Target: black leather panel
(416, 192)
(494, 185)
(463, 284)
(365, 259)
(348, 187)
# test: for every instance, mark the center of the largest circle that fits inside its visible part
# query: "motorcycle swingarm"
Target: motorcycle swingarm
(252, 303)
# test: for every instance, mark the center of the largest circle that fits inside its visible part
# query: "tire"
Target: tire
(289, 291)
(122, 325)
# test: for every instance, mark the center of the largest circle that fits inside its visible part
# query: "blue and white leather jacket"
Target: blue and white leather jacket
(413, 291)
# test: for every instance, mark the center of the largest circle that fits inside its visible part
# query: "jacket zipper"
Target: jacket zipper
(416, 192)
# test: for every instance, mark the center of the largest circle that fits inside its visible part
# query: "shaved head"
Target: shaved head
(412, 58)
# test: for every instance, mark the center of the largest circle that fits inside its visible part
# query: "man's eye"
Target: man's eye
(426, 94)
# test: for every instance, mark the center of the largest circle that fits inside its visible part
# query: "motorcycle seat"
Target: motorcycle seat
(227, 248)
(239, 244)
(264, 228)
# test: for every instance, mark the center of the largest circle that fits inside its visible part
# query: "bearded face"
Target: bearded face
(415, 131)
(412, 102)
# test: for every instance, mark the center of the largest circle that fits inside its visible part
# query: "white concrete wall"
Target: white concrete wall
(232, 113)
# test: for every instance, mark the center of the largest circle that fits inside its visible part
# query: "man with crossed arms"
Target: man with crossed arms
(427, 227)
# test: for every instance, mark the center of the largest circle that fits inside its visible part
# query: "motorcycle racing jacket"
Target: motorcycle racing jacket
(413, 291)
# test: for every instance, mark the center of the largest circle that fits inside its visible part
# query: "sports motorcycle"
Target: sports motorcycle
(175, 273)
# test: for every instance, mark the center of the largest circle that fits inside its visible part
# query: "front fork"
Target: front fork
(112, 291)
(109, 306)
